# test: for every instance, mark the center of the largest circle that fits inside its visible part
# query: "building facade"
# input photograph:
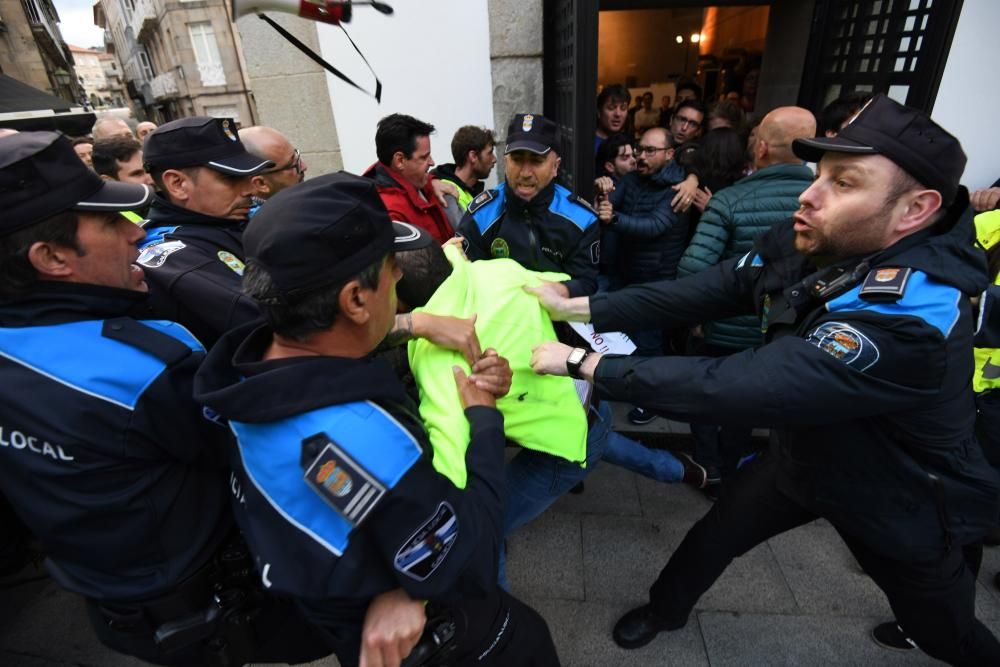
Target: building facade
(90, 74)
(115, 94)
(179, 58)
(32, 49)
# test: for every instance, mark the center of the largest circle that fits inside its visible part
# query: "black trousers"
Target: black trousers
(496, 630)
(934, 601)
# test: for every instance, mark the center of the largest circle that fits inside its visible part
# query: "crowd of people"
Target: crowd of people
(251, 417)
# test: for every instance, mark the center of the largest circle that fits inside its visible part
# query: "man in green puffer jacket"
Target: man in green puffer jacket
(733, 218)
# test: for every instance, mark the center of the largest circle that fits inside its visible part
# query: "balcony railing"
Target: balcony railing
(43, 26)
(164, 86)
(144, 19)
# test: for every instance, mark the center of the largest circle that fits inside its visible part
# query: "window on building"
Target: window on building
(145, 64)
(206, 54)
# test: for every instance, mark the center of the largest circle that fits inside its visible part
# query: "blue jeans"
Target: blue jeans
(657, 464)
(536, 480)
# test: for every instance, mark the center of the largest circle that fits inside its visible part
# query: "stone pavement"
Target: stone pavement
(799, 599)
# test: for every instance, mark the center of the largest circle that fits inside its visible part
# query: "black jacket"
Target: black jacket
(103, 453)
(303, 546)
(193, 266)
(555, 231)
(867, 391)
(651, 236)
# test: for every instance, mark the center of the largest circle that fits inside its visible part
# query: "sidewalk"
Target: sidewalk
(799, 599)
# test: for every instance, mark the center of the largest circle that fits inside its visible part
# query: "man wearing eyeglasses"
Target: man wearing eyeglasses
(687, 121)
(193, 251)
(650, 234)
(269, 144)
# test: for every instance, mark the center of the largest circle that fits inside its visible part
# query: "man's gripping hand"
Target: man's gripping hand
(554, 298)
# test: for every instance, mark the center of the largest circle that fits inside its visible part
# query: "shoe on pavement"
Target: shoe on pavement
(889, 635)
(694, 474)
(640, 416)
(711, 490)
(640, 626)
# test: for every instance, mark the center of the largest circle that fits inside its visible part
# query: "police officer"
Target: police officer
(864, 379)
(539, 224)
(531, 218)
(103, 452)
(193, 251)
(340, 502)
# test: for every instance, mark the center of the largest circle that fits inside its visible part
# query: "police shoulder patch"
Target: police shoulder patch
(425, 550)
(339, 480)
(584, 203)
(481, 199)
(154, 255)
(885, 284)
(232, 261)
(845, 343)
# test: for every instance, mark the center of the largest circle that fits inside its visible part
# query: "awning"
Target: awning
(25, 108)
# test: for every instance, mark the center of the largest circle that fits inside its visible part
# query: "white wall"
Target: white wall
(968, 98)
(434, 62)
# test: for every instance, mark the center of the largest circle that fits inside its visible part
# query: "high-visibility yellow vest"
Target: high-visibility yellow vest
(985, 376)
(541, 412)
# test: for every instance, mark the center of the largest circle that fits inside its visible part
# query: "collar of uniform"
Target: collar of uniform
(163, 212)
(236, 382)
(541, 201)
(57, 302)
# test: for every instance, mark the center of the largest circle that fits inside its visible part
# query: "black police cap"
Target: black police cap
(200, 141)
(41, 175)
(322, 232)
(907, 136)
(532, 132)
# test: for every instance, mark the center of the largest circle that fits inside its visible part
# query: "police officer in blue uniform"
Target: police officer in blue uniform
(338, 497)
(531, 218)
(103, 452)
(193, 250)
(864, 379)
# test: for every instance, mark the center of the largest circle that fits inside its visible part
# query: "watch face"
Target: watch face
(576, 356)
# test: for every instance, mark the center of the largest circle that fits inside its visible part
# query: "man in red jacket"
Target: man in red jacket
(403, 146)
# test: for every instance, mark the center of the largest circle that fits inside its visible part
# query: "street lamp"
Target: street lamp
(62, 77)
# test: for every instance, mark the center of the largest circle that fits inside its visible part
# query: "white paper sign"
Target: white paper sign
(614, 342)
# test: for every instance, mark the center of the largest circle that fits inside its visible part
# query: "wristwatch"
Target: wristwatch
(575, 359)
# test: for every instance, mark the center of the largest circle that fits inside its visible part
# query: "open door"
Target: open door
(570, 98)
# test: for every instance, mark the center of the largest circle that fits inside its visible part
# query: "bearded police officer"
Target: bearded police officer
(342, 505)
(864, 377)
(103, 452)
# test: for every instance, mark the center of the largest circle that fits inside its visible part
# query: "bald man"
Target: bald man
(269, 144)
(144, 128)
(110, 126)
(733, 217)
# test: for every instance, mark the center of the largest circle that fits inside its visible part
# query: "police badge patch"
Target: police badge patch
(499, 249)
(846, 343)
(427, 548)
(230, 260)
(153, 256)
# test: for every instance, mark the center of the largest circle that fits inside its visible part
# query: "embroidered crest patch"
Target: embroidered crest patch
(153, 256)
(233, 262)
(340, 480)
(427, 548)
(846, 343)
(499, 249)
(885, 284)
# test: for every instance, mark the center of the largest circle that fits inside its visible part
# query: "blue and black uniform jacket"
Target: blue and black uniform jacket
(864, 378)
(554, 231)
(103, 452)
(384, 518)
(194, 265)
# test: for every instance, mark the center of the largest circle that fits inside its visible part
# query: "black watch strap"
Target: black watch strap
(573, 367)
